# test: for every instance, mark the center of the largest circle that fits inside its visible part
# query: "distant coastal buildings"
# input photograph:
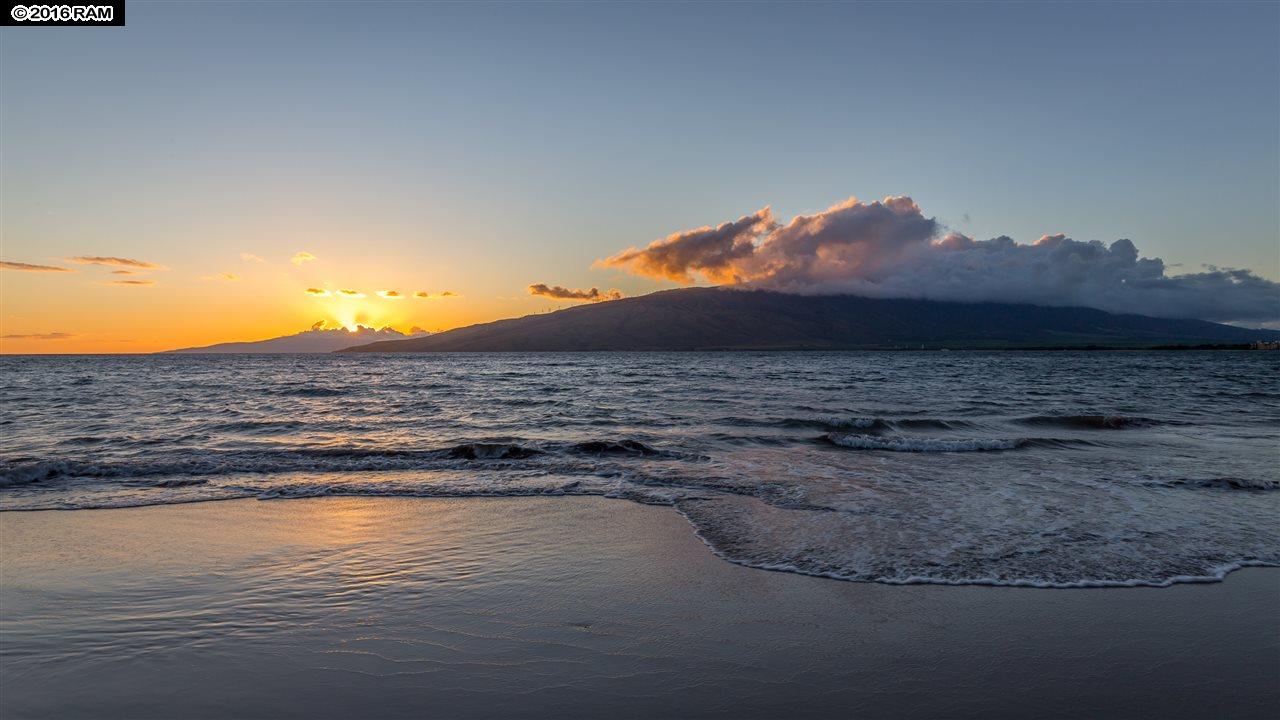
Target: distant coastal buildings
(1265, 345)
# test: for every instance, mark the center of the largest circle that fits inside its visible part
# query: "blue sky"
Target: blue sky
(490, 146)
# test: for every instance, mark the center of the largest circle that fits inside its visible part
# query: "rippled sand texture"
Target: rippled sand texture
(1045, 469)
(384, 608)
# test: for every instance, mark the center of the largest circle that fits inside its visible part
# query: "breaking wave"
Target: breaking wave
(923, 444)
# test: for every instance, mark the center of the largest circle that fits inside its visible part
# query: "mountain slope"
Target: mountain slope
(721, 319)
(315, 340)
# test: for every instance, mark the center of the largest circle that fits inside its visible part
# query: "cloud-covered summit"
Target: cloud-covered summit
(890, 249)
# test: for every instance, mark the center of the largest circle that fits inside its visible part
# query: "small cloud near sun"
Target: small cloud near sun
(424, 295)
(28, 267)
(390, 295)
(350, 293)
(132, 283)
(317, 292)
(229, 277)
(302, 257)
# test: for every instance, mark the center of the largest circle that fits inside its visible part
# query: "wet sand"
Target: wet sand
(570, 607)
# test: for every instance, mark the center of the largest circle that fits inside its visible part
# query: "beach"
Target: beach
(570, 607)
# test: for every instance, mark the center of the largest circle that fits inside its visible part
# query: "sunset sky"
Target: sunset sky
(193, 174)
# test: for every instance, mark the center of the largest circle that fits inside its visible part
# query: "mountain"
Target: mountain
(724, 319)
(315, 340)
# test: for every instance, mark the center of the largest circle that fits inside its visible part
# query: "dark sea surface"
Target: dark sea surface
(1046, 469)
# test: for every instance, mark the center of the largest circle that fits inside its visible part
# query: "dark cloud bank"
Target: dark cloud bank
(889, 249)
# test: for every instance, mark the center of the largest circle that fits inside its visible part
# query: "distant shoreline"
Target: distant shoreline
(1047, 348)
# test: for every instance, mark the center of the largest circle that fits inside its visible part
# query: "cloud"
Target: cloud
(712, 251)
(228, 277)
(132, 282)
(250, 257)
(39, 336)
(390, 295)
(561, 293)
(415, 330)
(317, 292)
(890, 249)
(117, 261)
(318, 325)
(28, 267)
(123, 272)
(350, 293)
(301, 257)
(424, 295)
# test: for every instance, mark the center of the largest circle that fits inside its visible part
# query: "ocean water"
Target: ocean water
(1043, 469)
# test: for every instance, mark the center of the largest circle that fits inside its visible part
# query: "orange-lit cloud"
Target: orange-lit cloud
(317, 292)
(28, 267)
(228, 277)
(561, 293)
(250, 257)
(118, 261)
(715, 252)
(132, 283)
(39, 336)
(350, 293)
(123, 272)
(424, 295)
(302, 257)
(390, 295)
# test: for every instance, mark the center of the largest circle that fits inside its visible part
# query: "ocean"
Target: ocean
(1045, 469)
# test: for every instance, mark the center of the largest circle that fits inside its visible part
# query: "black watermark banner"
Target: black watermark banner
(34, 13)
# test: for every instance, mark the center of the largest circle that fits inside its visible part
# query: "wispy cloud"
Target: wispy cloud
(302, 257)
(562, 293)
(447, 294)
(390, 295)
(891, 249)
(350, 293)
(123, 272)
(132, 283)
(317, 292)
(117, 261)
(39, 336)
(250, 257)
(227, 277)
(28, 267)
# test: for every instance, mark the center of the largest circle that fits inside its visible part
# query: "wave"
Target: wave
(851, 423)
(923, 444)
(26, 471)
(1224, 483)
(1090, 422)
(316, 391)
(615, 447)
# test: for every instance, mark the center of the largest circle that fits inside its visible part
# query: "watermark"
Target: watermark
(58, 12)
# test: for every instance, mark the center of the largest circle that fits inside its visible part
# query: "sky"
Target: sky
(252, 151)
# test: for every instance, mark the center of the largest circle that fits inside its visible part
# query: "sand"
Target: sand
(569, 607)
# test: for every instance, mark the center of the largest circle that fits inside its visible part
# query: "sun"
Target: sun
(352, 313)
